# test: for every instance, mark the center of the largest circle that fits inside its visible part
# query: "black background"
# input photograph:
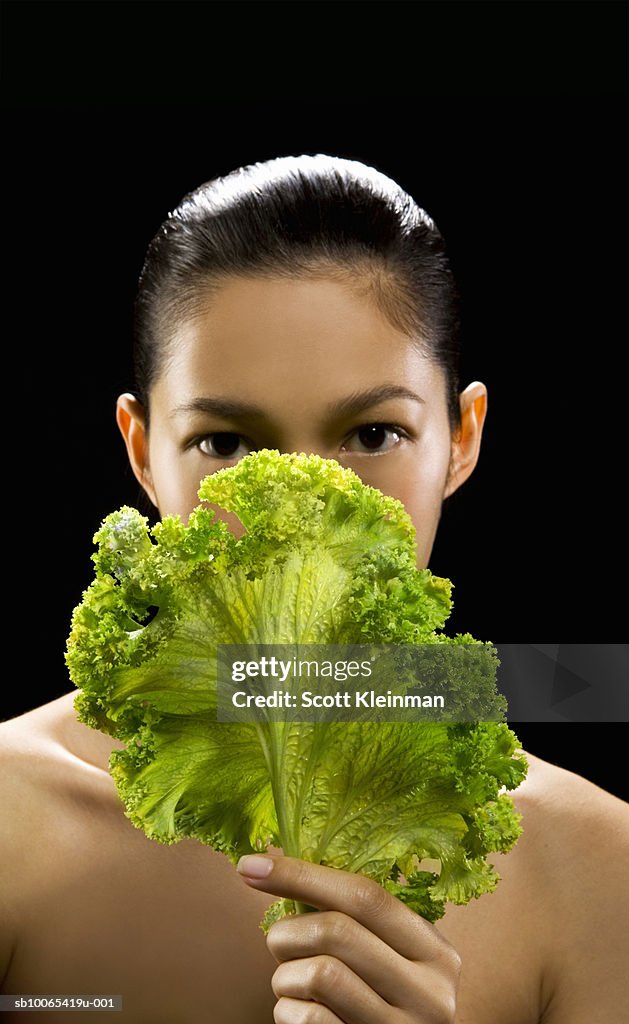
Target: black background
(523, 176)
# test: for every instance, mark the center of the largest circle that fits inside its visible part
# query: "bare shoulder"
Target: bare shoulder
(48, 757)
(23, 759)
(564, 808)
(42, 782)
(550, 944)
(576, 847)
(35, 775)
(42, 752)
(573, 830)
(31, 761)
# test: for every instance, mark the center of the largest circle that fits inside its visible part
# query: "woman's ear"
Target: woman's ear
(131, 422)
(466, 442)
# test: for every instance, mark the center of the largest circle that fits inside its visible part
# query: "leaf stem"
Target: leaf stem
(304, 908)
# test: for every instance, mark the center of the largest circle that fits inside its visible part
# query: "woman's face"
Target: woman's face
(301, 365)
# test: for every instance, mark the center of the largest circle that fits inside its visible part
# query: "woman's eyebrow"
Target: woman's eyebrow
(360, 400)
(354, 403)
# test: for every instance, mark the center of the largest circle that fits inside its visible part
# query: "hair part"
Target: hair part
(298, 217)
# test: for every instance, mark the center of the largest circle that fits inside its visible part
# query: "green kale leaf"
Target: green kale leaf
(325, 559)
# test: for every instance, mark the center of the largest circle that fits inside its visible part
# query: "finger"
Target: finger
(358, 897)
(334, 934)
(296, 1011)
(402, 983)
(326, 980)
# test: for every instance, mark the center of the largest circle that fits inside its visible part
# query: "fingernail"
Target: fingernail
(254, 866)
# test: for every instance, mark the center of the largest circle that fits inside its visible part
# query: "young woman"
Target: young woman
(306, 305)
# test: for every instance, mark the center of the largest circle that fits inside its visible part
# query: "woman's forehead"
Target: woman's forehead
(296, 307)
(254, 334)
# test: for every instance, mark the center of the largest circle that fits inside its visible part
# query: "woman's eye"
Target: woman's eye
(222, 446)
(373, 438)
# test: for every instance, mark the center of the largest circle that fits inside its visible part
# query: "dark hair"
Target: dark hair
(300, 216)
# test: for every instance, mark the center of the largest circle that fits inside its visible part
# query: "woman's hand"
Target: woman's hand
(364, 959)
